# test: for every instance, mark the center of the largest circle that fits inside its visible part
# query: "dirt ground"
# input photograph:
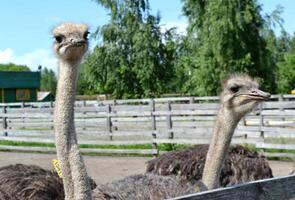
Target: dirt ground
(106, 169)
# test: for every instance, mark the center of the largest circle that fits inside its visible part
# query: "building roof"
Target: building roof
(10, 79)
(42, 95)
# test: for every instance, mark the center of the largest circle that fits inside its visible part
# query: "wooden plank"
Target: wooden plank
(196, 106)
(279, 113)
(269, 189)
(279, 105)
(280, 135)
(27, 115)
(275, 146)
(206, 98)
(204, 141)
(83, 150)
(92, 142)
(289, 96)
(91, 109)
(133, 108)
(120, 151)
(193, 118)
(186, 112)
(278, 130)
(193, 124)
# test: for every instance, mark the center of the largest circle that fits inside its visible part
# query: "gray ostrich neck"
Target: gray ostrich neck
(219, 146)
(75, 179)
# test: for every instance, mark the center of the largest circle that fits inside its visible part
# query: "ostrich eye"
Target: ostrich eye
(58, 38)
(234, 88)
(85, 36)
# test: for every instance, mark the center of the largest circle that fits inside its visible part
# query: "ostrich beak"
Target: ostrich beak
(259, 94)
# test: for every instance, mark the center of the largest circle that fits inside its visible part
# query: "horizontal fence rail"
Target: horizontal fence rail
(177, 120)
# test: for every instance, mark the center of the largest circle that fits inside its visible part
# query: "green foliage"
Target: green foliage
(224, 37)
(286, 74)
(48, 80)
(135, 59)
(13, 67)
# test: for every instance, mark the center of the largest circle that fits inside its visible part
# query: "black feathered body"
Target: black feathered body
(241, 165)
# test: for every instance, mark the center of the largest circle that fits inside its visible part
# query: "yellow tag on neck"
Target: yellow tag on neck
(56, 167)
(197, 189)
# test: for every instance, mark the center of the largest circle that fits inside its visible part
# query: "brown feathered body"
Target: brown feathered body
(241, 165)
(5, 196)
(145, 187)
(29, 182)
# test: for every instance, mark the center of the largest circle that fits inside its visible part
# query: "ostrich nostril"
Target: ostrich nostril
(253, 91)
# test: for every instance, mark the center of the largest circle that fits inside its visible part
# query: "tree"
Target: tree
(48, 80)
(286, 66)
(225, 37)
(13, 67)
(135, 59)
(286, 74)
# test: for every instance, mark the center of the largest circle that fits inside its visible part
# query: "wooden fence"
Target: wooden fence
(179, 120)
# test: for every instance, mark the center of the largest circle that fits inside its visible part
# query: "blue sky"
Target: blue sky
(25, 25)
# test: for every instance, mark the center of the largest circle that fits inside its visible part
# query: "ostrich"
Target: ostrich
(32, 182)
(241, 165)
(70, 45)
(239, 96)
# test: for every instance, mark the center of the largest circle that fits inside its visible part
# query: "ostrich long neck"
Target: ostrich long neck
(218, 149)
(74, 173)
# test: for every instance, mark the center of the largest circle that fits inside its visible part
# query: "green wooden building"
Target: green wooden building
(19, 86)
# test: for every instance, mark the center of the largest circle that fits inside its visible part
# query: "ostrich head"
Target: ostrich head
(71, 41)
(241, 94)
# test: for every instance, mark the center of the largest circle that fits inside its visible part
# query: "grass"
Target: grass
(161, 147)
(253, 148)
(25, 144)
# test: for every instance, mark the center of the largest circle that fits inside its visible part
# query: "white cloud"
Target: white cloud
(180, 25)
(32, 59)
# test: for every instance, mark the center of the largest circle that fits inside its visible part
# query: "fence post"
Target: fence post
(261, 121)
(5, 121)
(281, 99)
(191, 100)
(23, 112)
(169, 121)
(84, 115)
(51, 114)
(109, 121)
(154, 127)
